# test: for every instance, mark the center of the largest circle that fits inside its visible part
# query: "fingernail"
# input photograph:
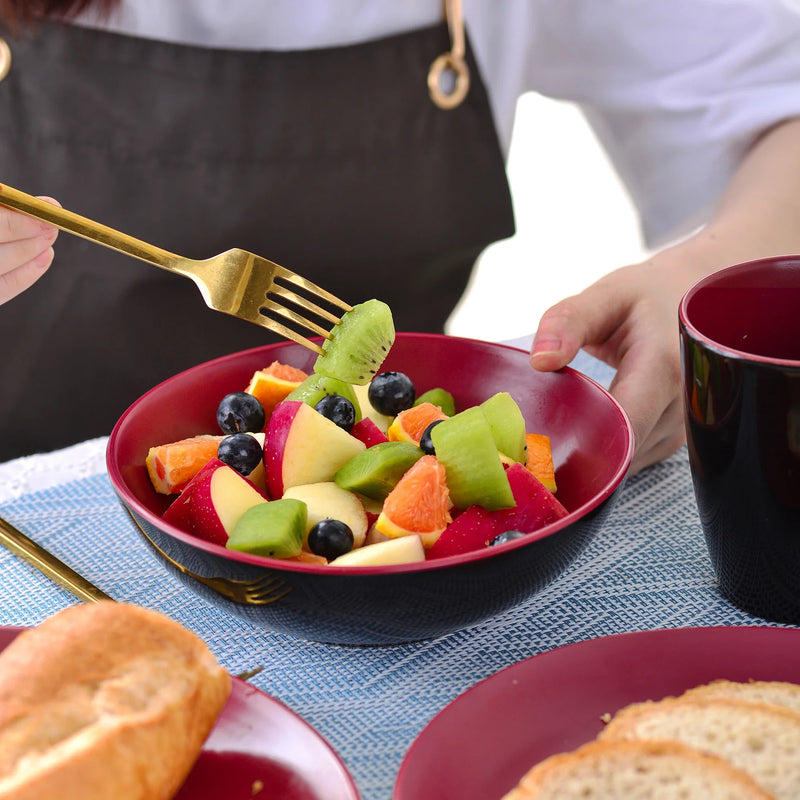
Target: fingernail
(546, 344)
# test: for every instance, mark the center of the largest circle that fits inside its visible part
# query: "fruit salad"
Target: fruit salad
(349, 465)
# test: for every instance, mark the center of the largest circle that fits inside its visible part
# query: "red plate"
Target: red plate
(487, 738)
(259, 744)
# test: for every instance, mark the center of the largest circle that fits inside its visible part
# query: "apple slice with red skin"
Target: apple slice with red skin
(303, 447)
(179, 511)
(213, 502)
(368, 432)
(474, 528)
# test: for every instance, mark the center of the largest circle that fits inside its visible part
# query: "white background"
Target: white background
(574, 223)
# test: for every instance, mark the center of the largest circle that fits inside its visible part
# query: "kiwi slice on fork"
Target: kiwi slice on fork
(358, 344)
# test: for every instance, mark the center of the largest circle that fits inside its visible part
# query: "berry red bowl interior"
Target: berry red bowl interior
(592, 446)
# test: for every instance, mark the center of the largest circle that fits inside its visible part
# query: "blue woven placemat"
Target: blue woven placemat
(648, 568)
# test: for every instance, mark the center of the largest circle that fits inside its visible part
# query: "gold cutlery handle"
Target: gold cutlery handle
(87, 228)
(19, 544)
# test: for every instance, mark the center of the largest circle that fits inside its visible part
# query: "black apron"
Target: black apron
(333, 162)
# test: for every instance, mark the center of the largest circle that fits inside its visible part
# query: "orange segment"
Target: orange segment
(171, 466)
(306, 557)
(419, 503)
(409, 425)
(540, 459)
(272, 384)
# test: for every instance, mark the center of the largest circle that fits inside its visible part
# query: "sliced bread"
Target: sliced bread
(777, 693)
(636, 770)
(763, 740)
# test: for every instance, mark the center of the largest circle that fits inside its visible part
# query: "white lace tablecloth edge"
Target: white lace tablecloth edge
(28, 474)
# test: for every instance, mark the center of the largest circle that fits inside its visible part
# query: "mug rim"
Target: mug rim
(720, 275)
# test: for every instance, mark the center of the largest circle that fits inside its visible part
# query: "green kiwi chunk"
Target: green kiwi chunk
(274, 529)
(475, 474)
(315, 387)
(507, 425)
(438, 397)
(358, 344)
(374, 472)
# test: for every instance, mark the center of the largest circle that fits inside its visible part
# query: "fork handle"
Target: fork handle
(87, 228)
(19, 544)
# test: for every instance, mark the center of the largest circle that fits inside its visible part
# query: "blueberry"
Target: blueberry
(391, 392)
(240, 412)
(240, 451)
(337, 409)
(506, 536)
(330, 538)
(425, 441)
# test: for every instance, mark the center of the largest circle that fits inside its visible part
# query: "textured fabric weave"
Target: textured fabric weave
(648, 568)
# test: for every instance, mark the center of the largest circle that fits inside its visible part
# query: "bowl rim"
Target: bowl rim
(132, 503)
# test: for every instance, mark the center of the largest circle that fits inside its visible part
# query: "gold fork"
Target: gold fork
(235, 282)
(55, 569)
(257, 592)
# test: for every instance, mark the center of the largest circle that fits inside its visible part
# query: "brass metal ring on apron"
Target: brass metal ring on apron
(5, 58)
(451, 63)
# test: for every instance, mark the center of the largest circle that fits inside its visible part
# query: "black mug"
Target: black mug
(740, 348)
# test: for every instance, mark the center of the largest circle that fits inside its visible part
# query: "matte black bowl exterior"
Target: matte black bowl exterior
(592, 446)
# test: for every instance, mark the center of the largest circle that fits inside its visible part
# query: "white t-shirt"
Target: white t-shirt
(676, 90)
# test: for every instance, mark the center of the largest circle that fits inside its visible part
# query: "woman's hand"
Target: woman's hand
(26, 251)
(629, 318)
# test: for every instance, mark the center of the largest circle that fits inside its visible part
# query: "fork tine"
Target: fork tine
(266, 582)
(288, 333)
(265, 597)
(299, 280)
(266, 589)
(277, 294)
(287, 313)
(305, 304)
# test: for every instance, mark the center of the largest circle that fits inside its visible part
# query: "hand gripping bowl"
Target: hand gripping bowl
(592, 448)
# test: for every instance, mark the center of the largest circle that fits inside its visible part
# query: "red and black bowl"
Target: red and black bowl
(592, 445)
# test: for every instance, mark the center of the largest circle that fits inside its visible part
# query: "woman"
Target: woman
(304, 132)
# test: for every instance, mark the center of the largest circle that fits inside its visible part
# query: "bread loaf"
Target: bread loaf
(106, 701)
(635, 771)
